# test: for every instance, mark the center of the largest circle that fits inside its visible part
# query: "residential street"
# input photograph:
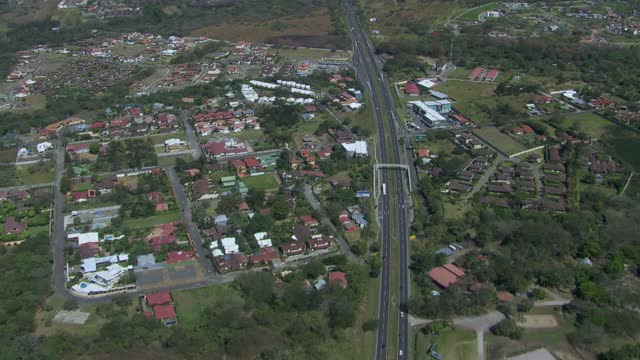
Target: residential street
(192, 138)
(185, 206)
(315, 204)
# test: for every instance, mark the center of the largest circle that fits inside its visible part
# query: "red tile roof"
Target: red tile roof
(159, 298)
(338, 277)
(476, 72)
(162, 312)
(411, 88)
(174, 257)
(446, 275)
(505, 296)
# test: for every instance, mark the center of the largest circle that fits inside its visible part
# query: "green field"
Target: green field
(464, 90)
(8, 155)
(35, 174)
(190, 304)
(3, 29)
(627, 148)
(452, 344)
(261, 182)
(499, 140)
(591, 124)
(160, 218)
(472, 14)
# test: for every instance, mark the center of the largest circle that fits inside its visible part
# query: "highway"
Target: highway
(369, 69)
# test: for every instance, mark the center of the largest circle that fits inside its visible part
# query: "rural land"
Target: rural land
(320, 179)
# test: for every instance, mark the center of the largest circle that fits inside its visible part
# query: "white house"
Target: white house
(44, 146)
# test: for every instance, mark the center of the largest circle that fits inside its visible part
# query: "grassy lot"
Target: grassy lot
(160, 138)
(171, 160)
(500, 140)
(365, 341)
(306, 128)
(190, 304)
(8, 155)
(261, 182)
(627, 148)
(35, 174)
(159, 218)
(464, 90)
(472, 14)
(308, 54)
(452, 344)
(459, 73)
(455, 211)
(554, 339)
(589, 123)
(392, 16)
(3, 29)
(314, 25)
(249, 134)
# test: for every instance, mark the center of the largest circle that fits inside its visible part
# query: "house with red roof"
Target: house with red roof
(411, 88)
(158, 298)
(13, 226)
(293, 248)
(174, 257)
(192, 172)
(88, 250)
(476, 73)
(320, 243)
(602, 103)
(252, 163)
(524, 129)
(158, 242)
(491, 75)
(236, 261)
(265, 256)
(239, 165)
(162, 206)
(446, 275)
(165, 313)
(338, 277)
(154, 196)
(309, 221)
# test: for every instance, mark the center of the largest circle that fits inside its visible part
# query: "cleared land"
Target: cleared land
(261, 182)
(452, 344)
(309, 53)
(627, 148)
(8, 155)
(161, 218)
(465, 90)
(311, 30)
(589, 123)
(499, 140)
(539, 321)
(191, 304)
(474, 13)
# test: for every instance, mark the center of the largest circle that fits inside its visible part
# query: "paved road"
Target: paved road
(369, 69)
(58, 240)
(315, 204)
(32, 186)
(192, 138)
(194, 233)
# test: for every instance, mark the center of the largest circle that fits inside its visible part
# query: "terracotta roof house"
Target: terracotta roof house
(265, 256)
(228, 262)
(309, 221)
(338, 277)
(88, 250)
(319, 243)
(192, 172)
(446, 275)
(174, 257)
(164, 312)
(12, 226)
(293, 248)
(505, 296)
(158, 298)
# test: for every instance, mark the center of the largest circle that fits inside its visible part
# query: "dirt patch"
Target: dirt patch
(488, 92)
(539, 321)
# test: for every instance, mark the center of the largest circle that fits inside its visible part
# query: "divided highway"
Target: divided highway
(369, 69)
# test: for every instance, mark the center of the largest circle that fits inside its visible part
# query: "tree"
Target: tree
(65, 185)
(507, 328)
(370, 325)
(94, 148)
(314, 269)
